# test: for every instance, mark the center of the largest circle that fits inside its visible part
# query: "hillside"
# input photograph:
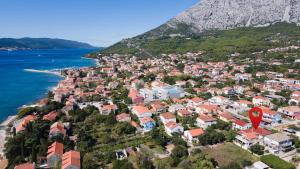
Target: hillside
(214, 43)
(41, 43)
(220, 27)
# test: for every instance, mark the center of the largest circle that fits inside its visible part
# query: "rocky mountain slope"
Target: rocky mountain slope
(223, 25)
(228, 14)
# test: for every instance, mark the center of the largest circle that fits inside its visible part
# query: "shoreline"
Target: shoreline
(3, 134)
(9, 119)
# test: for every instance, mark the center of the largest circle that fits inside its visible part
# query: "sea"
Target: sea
(25, 77)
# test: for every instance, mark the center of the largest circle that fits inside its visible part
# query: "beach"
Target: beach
(3, 127)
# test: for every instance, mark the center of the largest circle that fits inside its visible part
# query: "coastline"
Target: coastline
(3, 127)
(4, 124)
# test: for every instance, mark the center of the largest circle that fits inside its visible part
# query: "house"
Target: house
(194, 102)
(207, 109)
(173, 127)
(121, 154)
(246, 139)
(147, 94)
(71, 160)
(219, 100)
(147, 123)
(161, 92)
(184, 113)
(167, 117)
(54, 154)
(270, 116)
(50, 116)
(225, 116)
(205, 121)
(192, 135)
(57, 129)
(107, 109)
(20, 125)
(135, 97)
(290, 111)
(240, 125)
(242, 105)
(278, 142)
(295, 98)
(258, 165)
(25, 166)
(123, 117)
(158, 107)
(141, 111)
(175, 107)
(261, 101)
(169, 92)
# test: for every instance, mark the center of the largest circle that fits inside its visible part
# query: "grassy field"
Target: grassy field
(228, 152)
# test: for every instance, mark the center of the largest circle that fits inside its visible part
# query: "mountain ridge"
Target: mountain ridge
(42, 43)
(206, 20)
(228, 14)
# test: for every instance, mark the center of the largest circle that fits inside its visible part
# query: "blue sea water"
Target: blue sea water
(19, 87)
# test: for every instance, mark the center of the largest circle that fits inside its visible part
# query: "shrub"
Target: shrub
(276, 163)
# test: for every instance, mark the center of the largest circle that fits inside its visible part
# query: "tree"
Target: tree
(122, 164)
(257, 149)
(232, 165)
(205, 164)
(89, 161)
(179, 152)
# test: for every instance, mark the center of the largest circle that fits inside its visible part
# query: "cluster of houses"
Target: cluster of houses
(153, 97)
(55, 152)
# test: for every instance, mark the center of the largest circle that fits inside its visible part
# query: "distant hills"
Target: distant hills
(42, 43)
(220, 27)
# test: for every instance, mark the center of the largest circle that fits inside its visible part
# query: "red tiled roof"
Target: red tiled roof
(184, 112)
(168, 115)
(140, 109)
(71, 158)
(55, 148)
(259, 131)
(196, 132)
(171, 125)
(146, 120)
(24, 122)
(206, 118)
(50, 116)
(25, 166)
(122, 116)
(240, 122)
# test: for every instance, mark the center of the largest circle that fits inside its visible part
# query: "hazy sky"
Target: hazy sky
(99, 22)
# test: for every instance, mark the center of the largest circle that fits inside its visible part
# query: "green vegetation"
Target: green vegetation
(226, 153)
(30, 144)
(216, 43)
(42, 43)
(257, 149)
(276, 163)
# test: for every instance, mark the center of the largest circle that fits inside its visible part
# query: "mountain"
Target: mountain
(229, 25)
(229, 14)
(41, 43)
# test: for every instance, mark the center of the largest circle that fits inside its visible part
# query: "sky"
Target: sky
(98, 22)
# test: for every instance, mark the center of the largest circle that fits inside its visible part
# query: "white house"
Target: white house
(141, 111)
(167, 117)
(261, 101)
(205, 121)
(290, 111)
(240, 125)
(192, 135)
(277, 142)
(173, 127)
(176, 107)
